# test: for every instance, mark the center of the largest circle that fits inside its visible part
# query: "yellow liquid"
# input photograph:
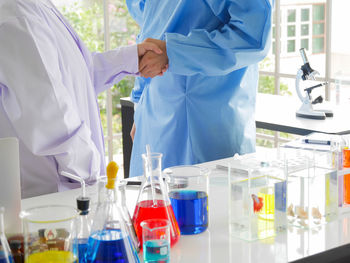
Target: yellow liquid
(52, 257)
(268, 210)
(266, 229)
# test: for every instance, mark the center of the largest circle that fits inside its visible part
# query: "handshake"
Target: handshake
(153, 58)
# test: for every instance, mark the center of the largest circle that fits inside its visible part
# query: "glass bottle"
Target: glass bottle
(84, 227)
(17, 254)
(84, 222)
(109, 240)
(153, 200)
(5, 252)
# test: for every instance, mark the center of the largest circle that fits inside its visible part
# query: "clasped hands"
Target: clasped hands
(153, 58)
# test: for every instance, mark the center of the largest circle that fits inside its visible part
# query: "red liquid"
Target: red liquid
(346, 164)
(145, 210)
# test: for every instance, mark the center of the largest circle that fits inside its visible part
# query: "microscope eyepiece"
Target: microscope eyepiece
(303, 55)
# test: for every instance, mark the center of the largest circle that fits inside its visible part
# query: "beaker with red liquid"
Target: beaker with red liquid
(153, 201)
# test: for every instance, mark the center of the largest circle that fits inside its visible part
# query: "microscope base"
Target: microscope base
(306, 111)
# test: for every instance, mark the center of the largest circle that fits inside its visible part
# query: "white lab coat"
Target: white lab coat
(49, 83)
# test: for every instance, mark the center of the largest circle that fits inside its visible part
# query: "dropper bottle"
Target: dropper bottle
(109, 239)
(84, 222)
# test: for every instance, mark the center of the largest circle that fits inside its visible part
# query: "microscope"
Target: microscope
(306, 110)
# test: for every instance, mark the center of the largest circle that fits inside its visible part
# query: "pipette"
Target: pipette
(76, 178)
(149, 167)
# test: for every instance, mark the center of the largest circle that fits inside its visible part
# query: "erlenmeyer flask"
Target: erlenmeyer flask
(153, 200)
(121, 202)
(109, 240)
(5, 252)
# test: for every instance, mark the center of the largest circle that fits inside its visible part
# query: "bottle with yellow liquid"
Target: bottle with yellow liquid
(49, 234)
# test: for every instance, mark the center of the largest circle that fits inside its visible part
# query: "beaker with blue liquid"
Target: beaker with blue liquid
(156, 240)
(188, 193)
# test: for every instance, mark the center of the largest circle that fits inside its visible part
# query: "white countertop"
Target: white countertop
(216, 245)
(281, 117)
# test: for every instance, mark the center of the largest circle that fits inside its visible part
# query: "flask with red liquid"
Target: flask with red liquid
(153, 201)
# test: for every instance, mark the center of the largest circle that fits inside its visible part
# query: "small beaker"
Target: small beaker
(156, 240)
(188, 193)
(50, 233)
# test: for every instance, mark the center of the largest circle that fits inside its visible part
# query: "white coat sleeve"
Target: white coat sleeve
(112, 66)
(36, 102)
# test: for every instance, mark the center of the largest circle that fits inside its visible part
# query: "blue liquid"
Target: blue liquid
(82, 249)
(3, 259)
(191, 210)
(108, 246)
(280, 196)
(156, 251)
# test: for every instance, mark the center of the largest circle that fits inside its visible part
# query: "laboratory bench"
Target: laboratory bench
(327, 243)
(281, 117)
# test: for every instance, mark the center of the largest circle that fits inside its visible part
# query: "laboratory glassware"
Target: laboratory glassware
(109, 240)
(50, 234)
(346, 182)
(257, 198)
(120, 188)
(17, 254)
(156, 240)
(188, 193)
(84, 222)
(5, 252)
(312, 197)
(153, 200)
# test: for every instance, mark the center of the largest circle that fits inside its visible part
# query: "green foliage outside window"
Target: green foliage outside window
(87, 19)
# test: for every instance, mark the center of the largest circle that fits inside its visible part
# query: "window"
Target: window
(89, 19)
(301, 23)
(318, 28)
(304, 24)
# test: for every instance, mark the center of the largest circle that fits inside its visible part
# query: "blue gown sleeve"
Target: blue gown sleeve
(136, 8)
(242, 39)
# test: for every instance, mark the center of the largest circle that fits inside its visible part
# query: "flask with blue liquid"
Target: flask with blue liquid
(109, 240)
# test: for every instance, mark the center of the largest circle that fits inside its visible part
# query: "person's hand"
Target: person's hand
(143, 47)
(152, 63)
(132, 132)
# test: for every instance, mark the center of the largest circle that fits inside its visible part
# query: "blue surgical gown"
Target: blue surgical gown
(202, 109)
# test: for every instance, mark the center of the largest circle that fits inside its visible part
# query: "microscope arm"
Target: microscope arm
(297, 85)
